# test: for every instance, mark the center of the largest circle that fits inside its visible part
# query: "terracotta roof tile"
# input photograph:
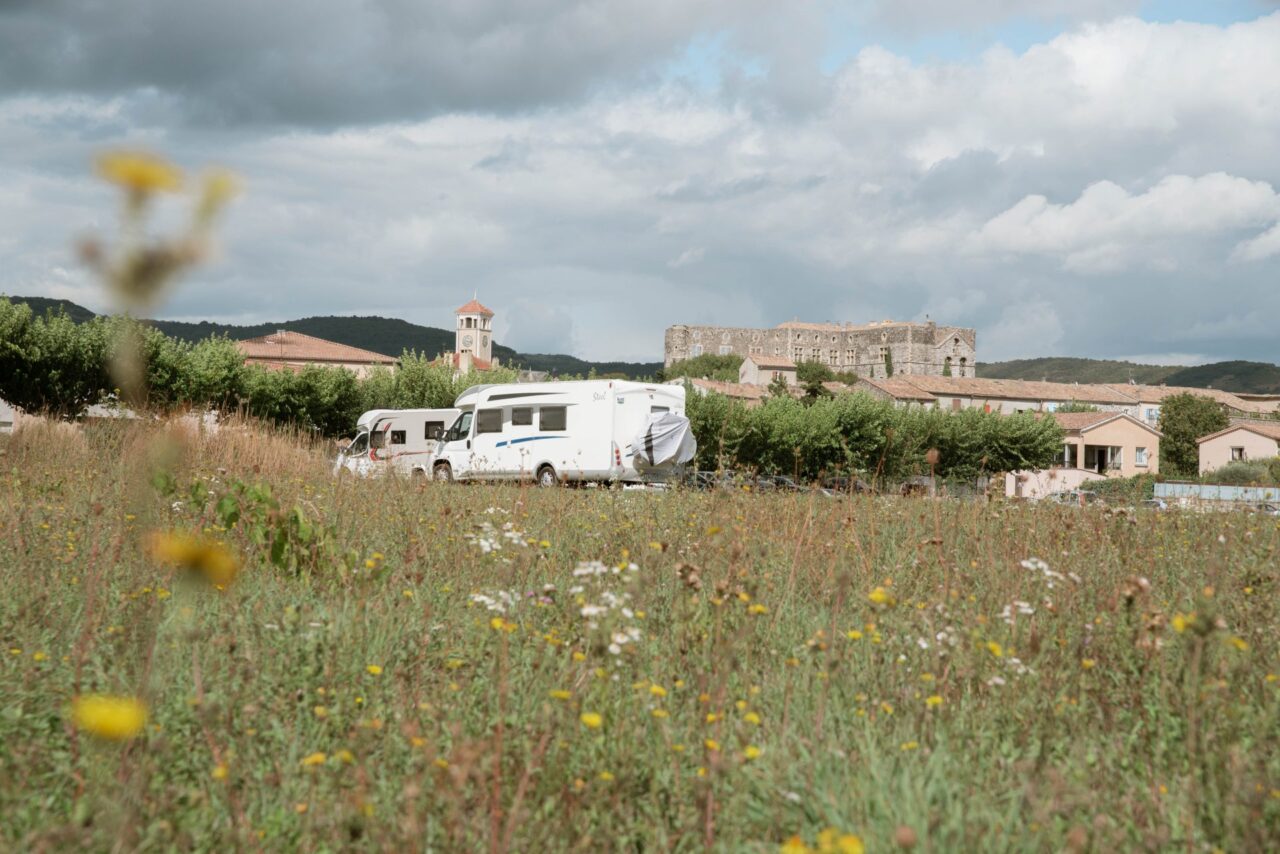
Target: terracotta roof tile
(474, 307)
(287, 346)
(1019, 389)
(1157, 393)
(899, 388)
(1270, 429)
(779, 362)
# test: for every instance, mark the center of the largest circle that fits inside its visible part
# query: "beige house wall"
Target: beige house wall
(1124, 434)
(752, 374)
(1216, 452)
(1038, 484)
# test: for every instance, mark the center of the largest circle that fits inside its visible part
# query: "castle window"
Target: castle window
(850, 357)
(833, 357)
(726, 349)
(697, 350)
(963, 361)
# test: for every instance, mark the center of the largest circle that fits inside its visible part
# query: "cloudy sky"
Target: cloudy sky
(1070, 177)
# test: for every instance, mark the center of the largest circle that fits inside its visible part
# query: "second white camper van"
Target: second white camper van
(402, 441)
(557, 432)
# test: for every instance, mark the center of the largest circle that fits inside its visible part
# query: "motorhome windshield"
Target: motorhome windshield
(460, 429)
(359, 445)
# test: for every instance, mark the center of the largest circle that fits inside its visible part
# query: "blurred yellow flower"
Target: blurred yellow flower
(208, 560)
(910, 745)
(220, 772)
(880, 596)
(757, 608)
(108, 717)
(752, 718)
(300, 808)
(345, 755)
(374, 670)
(794, 845)
(1239, 643)
(1087, 663)
(139, 173)
(320, 711)
(711, 744)
(313, 760)
(657, 691)
(659, 713)
(591, 720)
(752, 752)
(560, 694)
(995, 649)
(853, 634)
(933, 702)
(606, 776)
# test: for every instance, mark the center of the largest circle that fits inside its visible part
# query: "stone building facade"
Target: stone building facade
(869, 350)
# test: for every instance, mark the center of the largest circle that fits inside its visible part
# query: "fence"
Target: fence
(1216, 492)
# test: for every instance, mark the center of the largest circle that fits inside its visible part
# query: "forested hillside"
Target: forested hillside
(385, 335)
(1256, 377)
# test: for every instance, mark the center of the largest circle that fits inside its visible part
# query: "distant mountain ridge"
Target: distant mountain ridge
(389, 336)
(1235, 376)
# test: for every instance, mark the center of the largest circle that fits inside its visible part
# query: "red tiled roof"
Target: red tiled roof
(1269, 429)
(474, 307)
(1081, 422)
(286, 346)
(477, 364)
(1157, 393)
(779, 362)
(1018, 389)
(899, 388)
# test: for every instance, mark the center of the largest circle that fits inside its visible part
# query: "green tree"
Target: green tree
(1184, 418)
(813, 371)
(778, 387)
(1076, 406)
(708, 366)
(888, 362)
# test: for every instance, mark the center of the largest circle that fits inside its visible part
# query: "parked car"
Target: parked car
(1267, 508)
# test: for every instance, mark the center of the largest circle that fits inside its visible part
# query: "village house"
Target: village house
(1243, 440)
(763, 370)
(291, 351)
(1095, 446)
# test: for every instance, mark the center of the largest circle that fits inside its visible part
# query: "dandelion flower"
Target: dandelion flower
(657, 691)
(910, 745)
(220, 772)
(1087, 663)
(757, 608)
(560, 694)
(752, 718)
(374, 670)
(345, 756)
(751, 752)
(660, 713)
(995, 649)
(794, 845)
(313, 760)
(711, 744)
(591, 720)
(139, 173)
(108, 717)
(205, 559)
(880, 596)
(933, 702)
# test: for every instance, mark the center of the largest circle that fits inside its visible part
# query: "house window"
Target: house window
(963, 362)
(1140, 457)
(1152, 415)
(697, 350)
(1237, 454)
(397, 437)
(488, 421)
(726, 349)
(522, 416)
(551, 418)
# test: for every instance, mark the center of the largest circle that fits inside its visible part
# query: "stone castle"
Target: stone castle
(870, 350)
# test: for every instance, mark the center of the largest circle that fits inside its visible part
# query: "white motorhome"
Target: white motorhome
(557, 432)
(400, 441)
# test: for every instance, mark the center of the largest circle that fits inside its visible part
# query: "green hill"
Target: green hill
(385, 335)
(1256, 377)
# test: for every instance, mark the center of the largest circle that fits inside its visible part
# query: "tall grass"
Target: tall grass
(971, 676)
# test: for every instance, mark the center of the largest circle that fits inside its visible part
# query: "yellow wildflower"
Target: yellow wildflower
(345, 756)
(853, 634)
(591, 720)
(794, 845)
(910, 745)
(1239, 643)
(108, 717)
(1087, 663)
(220, 772)
(757, 608)
(751, 752)
(752, 718)
(139, 173)
(560, 694)
(313, 760)
(933, 702)
(659, 713)
(880, 596)
(579, 656)
(374, 670)
(711, 744)
(657, 691)
(300, 808)
(205, 559)
(995, 649)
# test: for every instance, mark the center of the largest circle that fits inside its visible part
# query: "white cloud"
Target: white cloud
(1265, 245)
(1108, 228)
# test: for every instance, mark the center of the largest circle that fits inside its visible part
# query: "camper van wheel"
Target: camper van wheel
(443, 473)
(547, 476)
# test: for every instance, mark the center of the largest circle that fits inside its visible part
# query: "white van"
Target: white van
(557, 432)
(400, 441)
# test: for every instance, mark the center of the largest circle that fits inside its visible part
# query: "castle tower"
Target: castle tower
(474, 333)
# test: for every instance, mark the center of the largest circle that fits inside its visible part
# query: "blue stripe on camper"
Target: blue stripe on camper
(505, 442)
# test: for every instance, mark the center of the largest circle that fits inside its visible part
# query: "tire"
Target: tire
(547, 477)
(442, 473)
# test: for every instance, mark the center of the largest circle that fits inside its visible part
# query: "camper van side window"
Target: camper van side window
(397, 437)
(488, 421)
(522, 416)
(551, 418)
(656, 410)
(435, 429)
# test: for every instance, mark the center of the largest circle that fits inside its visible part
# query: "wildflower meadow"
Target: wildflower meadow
(211, 642)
